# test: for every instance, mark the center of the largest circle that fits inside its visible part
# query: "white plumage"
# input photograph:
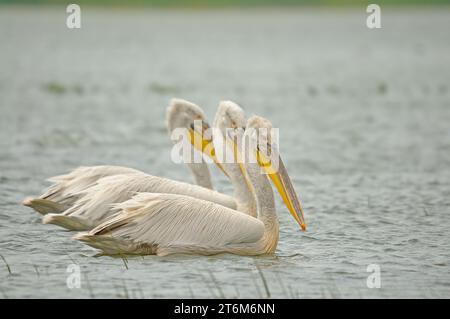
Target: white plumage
(92, 205)
(167, 223)
(68, 188)
(161, 224)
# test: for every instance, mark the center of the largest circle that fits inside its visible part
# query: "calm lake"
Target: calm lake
(364, 132)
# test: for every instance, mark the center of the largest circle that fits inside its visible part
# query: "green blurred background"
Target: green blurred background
(229, 3)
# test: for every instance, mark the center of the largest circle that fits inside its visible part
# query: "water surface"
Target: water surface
(364, 123)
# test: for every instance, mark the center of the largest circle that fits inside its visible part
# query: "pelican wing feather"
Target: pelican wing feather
(93, 205)
(162, 222)
(65, 186)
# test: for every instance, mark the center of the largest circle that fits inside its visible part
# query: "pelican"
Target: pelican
(68, 188)
(94, 204)
(163, 224)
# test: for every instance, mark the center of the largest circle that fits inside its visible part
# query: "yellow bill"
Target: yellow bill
(282, 182)
(234, 136)
(205, 145)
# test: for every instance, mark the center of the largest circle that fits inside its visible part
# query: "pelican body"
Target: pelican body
(93, 204)
(67, 189)
(163, 224)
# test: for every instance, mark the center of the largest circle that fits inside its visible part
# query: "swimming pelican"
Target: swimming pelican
(94, 204)
(165, 224)
(68, 188)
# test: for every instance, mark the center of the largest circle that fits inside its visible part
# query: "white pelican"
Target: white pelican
(68, 188)
(94, 204)
(165, 224)
(231, 119)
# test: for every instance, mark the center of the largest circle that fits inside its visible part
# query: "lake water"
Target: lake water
(364, 128)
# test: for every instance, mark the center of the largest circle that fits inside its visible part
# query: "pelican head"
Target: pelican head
(258, 129)
(182, 114)
(187, 115)
(229, 116)
(230, 121)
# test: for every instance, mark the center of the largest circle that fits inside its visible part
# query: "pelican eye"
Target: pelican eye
(205, 126)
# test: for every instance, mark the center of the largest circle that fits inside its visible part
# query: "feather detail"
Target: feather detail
(169, 223)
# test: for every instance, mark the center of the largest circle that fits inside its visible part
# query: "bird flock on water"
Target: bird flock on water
(121, 210)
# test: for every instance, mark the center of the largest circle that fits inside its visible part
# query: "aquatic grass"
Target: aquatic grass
(358, 291)
(116, 289)
(382, 88)
(137, 293)
(264, 281)
(191, 292)
(3, 293)
(46, 268)
(323, 293)
(333, 90)
(36, 269)
(55, 88)
(291, 292)
(125, 261)
(256, 285)
(59, 89)
(211, 291)
(164, 88)
(78, 89)
(7, 265)
(141, 292)
(134, 294)
(283, 288)
(125, 289)
(216, 283)
(334, 290)
(121, 291)
(72, 260)
(330, 292)
(238, 294)
(312, 91)
(89, 287)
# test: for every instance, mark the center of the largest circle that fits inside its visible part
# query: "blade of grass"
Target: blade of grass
(125, 289)
(263, 279)
(141, 292)
(7, 265)
(89, 287)
(283, 288)
(125, 261)
(211, 291)
(36, 269)
(256, 285)
(216, 283)
(3, 293)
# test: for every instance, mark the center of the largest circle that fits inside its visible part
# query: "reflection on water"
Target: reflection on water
(363, 117)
